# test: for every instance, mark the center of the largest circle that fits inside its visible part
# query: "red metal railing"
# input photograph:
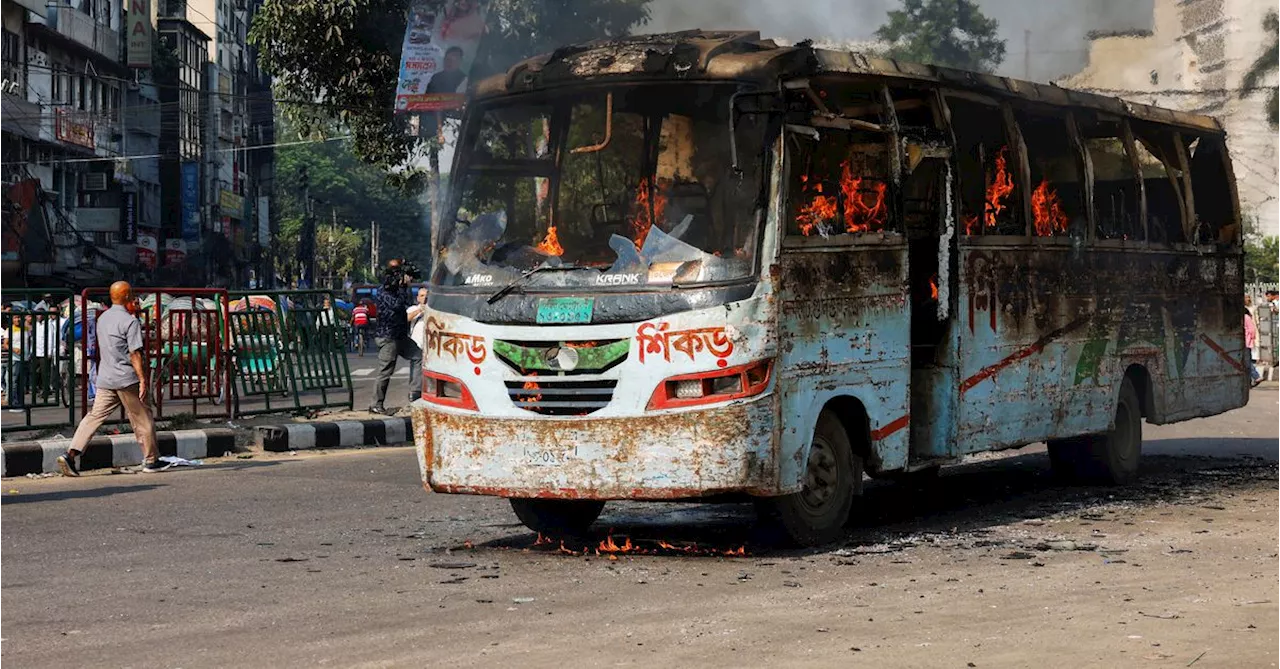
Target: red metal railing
(185, 340)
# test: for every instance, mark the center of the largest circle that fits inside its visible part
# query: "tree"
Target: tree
(951, 33)
(352, 193)
(339, 60)
(1260, 259)
(1266, 64)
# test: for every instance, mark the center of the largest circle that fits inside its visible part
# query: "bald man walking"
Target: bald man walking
(122, 381)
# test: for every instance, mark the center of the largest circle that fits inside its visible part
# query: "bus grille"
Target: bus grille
(561, 398)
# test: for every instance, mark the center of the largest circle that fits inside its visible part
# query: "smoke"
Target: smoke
(1058, 43)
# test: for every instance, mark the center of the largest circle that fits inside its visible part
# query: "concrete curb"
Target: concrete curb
(301, 436)
(121, 450)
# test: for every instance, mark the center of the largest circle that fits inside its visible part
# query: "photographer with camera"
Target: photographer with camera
(395, 309)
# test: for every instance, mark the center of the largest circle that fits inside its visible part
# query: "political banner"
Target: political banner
(175, 252)
(440, 43)
(147, 247)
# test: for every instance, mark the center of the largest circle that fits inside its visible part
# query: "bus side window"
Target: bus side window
(1057, 195)
(989, 199)
(1162, 182)
(1209, 184)
(1115, 183)
(840, 183)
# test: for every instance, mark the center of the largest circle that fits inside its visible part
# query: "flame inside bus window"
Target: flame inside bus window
(839, 184)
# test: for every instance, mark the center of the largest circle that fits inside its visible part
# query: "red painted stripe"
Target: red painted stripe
(991, 370)
(891, 428)
(1222, 353)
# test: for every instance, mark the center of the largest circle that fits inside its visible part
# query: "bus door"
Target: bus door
(844, 316)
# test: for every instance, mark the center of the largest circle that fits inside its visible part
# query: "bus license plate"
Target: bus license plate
(544, 457)
(565, 310)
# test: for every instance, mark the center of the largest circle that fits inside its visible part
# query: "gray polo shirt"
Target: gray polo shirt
(119, 334)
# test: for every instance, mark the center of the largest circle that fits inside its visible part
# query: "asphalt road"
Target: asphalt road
(341, 559)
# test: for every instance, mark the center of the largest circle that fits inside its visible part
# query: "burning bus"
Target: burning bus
(699, 265)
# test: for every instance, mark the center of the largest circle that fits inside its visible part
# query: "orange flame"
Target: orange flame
(933, 287)
(999, 189)
(608, 546)
(536, 397)
(860, 215)
(1050, 219)
(550, 245)
(649, 207)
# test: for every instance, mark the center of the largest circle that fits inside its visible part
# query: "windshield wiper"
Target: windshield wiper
(502, 292)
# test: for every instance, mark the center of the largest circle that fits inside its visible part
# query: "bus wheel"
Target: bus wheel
(557, 516)
(1112, 457)
(833, 477)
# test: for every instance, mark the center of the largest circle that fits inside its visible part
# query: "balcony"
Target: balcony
(80, 28)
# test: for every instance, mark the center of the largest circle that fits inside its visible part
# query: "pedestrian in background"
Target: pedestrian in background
(360, 324)
(418, 324)
(1251, 341)
(122, 381)
(22, 343)
(392, 334)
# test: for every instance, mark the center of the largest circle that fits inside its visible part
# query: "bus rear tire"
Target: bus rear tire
(1109, 458)
(833, 478)
(557, 517)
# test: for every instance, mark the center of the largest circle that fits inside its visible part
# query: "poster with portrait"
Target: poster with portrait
(440, 43)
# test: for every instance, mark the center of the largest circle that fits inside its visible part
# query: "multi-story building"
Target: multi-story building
(64, 86)
(182, 148)
(259, 161)
(1194, 58)
(24, 241)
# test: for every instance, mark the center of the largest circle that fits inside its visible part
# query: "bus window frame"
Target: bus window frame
(1181, 186)
(1013, 136)
(823, 119)
(1084, 168)
(1126, 137)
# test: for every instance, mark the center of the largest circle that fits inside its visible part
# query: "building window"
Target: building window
(57, 83)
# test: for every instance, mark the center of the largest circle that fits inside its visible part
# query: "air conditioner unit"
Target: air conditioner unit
(93, 181)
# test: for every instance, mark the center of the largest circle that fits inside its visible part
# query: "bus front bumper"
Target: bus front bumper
(691, 454)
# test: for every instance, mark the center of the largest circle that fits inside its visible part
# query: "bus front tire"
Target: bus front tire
(1108, 458)
(557, 517)
(833, 478)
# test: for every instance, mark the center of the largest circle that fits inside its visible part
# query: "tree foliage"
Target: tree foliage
(1262, 259)
(353, 193)
(1266, 64)
(951, 33)
(339, 60)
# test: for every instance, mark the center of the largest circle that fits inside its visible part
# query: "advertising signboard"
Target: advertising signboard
(138, 42)
(128, 218)
(147, 244)
(191, 202)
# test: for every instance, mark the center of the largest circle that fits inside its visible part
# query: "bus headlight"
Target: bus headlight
(446, 391)
(708, 387)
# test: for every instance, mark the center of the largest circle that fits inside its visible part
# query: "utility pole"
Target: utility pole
(373, 249)
(307, 247)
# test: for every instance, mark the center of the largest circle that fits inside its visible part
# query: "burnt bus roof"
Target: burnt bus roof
(743, 56)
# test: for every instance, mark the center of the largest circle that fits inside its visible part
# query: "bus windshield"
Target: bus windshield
(634, 185)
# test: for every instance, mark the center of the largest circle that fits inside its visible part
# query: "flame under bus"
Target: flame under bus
(692, 264)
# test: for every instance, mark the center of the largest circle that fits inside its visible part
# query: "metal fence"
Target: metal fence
(184, 333)
(289, 351)
(36, 358)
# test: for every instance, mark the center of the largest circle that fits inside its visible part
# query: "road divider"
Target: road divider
(336, 434)
(120, 450)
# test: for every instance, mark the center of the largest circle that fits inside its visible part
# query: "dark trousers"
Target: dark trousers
(18, 383)
(389, 352)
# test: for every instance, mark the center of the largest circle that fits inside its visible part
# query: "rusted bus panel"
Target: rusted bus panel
(842, 329)
(664, 456)
(1046, 335)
